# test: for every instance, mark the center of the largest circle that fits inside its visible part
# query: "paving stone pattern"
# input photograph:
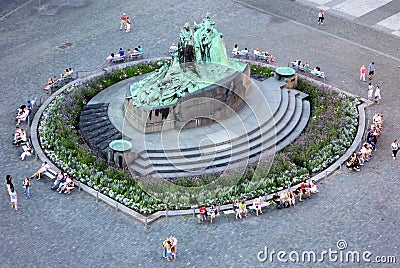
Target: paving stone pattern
(53, 230)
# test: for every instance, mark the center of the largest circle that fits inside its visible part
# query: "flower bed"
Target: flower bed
(329, 133)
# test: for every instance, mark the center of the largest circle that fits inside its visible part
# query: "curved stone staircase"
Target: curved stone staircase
(96, 127)
(231, 145)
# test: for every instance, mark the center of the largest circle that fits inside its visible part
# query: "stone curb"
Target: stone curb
(151, 218)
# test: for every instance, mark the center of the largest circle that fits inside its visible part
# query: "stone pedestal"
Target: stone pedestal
(210, 104)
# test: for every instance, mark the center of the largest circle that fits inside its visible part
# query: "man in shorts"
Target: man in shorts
(371, 69)
(123, 22)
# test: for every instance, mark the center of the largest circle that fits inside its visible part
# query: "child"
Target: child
(26, 186)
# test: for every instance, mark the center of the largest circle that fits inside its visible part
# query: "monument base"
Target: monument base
(212, 103)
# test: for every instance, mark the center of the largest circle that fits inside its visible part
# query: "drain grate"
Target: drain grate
(65, 45)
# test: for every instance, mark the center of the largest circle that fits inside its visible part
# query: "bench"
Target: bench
(59, 83)
(263, 205)
(262, 57)
(134, 56)
(25, 145)
(51, 174)
(208, 216)
(118, 59)
(241, 54)
(304, 69)
(320, 75)
(228, 212)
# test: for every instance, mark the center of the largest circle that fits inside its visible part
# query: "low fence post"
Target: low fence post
(116, 206)
(166, 213)
(79, 186)
(97, 196)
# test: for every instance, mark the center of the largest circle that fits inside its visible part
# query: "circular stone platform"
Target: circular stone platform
(270, 119)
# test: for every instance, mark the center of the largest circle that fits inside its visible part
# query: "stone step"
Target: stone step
(96, 126)
(99, 126)
(94, 108)
(266, 131)
(104, 144)
(99, 122)
(220, 159)
(98, 132)
(104, 137)
(227, 143)
(301, 125)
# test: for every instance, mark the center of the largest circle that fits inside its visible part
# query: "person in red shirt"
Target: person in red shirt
(123, 22)
(305, 189)
(203, 213)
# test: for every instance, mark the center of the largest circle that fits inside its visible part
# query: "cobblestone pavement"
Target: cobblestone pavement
(52, 230)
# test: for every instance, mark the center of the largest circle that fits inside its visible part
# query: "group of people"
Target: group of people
(258, 53)
(63, 183)
(213, 212)
(125, 54)
(305, 66)
(169, 248)
(288, 198)
(20, 136)
(300, 64)
(67, 74)
(371, 71)
(125, 23)
(374, 93)
(358, 159)
(237, 53)
(23, 112)
(26, 185)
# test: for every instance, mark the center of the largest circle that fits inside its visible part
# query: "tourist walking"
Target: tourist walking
(371, 70)
(395, 148)
(363, 70)
(128, 24)
(14, 198)
(123, 22)
(377, 94)
(27, 187)
(370, 91)
(8, 183)
(321, 17)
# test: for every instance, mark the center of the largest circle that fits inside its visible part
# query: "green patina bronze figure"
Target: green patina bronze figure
(201, 61)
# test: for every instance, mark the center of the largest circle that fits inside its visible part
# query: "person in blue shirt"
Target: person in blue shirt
(140, 49)
(121, 52)
(371, 69)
